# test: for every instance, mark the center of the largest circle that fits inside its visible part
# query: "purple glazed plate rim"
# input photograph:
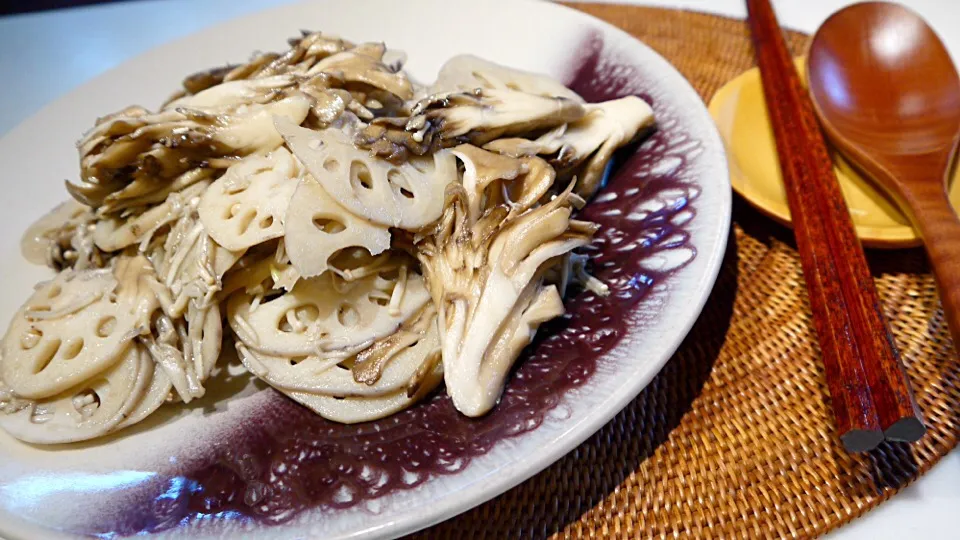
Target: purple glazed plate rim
(666, 318)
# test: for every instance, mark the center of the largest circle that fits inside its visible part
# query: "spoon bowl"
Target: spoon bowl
(888, 97)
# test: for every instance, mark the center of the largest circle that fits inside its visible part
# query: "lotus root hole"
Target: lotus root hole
(30, 338)
(271, 296)
(296, 360)
(86, 402)
(266, 222)
(54, 291)
(46, 355)
(106, 326)
(308, 313)
(72, 348)
(379, 300)
(360, 175)
(284, 326)
(233, 211)
(328, 225)
(331, 165)
(41, 414)
(348, 315)
(389, 275)
(399, 183)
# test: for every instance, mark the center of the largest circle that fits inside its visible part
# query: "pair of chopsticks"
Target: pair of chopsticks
(869, 390)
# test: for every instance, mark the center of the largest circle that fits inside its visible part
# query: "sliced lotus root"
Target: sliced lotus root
(72, 328)
(326, 315)
(467, 72)
(317, 227)
(84, 411)
(115, 233)
(37, 240)
(352, 410)
(407, 196)
(154, 396)
(336, 377)
(246, 206)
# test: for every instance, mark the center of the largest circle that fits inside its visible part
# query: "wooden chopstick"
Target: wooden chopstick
(869, 389)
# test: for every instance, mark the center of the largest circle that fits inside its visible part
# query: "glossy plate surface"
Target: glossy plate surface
(245, 460)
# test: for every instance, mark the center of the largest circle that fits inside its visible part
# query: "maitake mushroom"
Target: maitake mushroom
(364, 238)
(585, 147)
(487, 276)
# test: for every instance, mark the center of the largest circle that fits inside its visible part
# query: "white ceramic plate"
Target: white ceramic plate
(247, 461)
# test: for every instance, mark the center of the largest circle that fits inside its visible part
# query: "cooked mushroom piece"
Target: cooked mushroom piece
(483, 275)
(131, 157)
(467, 72)
(364, 64)
(483, 115)
(585, 147)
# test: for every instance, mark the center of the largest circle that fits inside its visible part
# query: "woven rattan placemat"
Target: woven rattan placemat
(734, 438)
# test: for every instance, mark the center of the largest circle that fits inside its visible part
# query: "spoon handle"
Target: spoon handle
(939, 226)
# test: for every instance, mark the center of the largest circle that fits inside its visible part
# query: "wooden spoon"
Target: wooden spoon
(888, 97)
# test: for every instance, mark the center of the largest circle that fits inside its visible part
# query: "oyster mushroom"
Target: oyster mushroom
(585, 147)
(484, 275)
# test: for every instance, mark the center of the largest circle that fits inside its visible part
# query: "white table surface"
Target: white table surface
(44, 55)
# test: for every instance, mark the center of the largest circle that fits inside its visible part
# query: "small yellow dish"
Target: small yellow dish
(741, 116)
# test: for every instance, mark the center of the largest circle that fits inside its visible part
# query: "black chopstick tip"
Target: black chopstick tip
(908, 429)
(861, 440)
